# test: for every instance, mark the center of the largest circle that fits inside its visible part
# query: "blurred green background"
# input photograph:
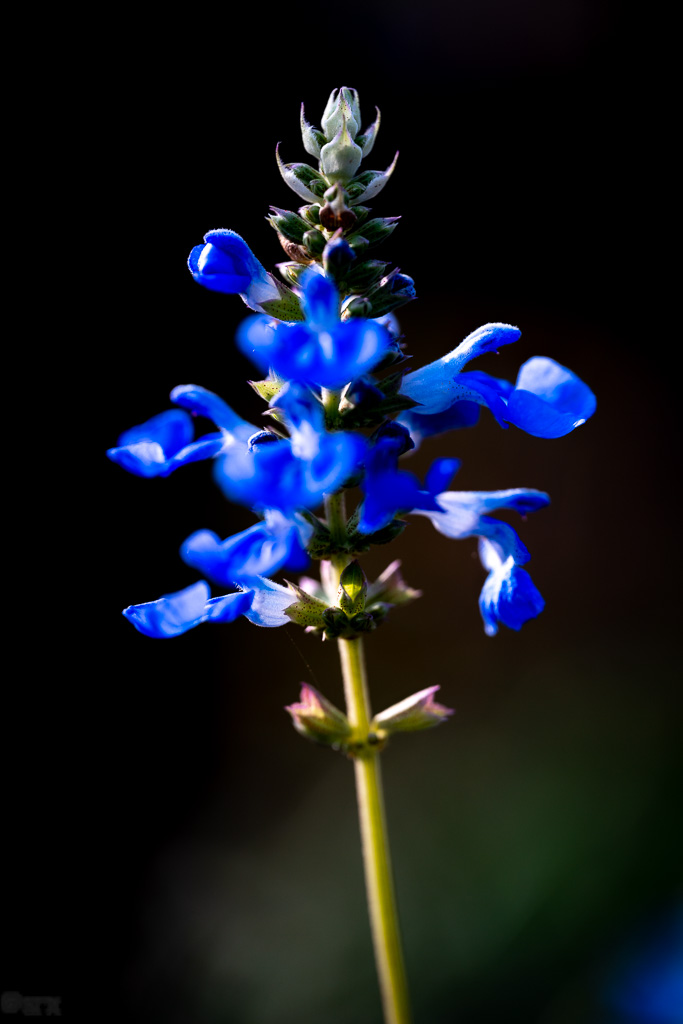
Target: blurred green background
(537, 835)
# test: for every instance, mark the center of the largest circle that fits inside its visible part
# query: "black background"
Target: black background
(173, 851)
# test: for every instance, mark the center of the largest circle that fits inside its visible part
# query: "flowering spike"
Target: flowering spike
(417, 712)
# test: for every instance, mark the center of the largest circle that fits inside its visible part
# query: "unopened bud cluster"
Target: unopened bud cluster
(335, 227)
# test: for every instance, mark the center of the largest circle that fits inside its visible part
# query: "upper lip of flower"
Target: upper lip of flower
(548, 400)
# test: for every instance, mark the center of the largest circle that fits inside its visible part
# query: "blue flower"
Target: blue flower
(227, 264)
(323, 351)
(548, 400)
(389, 490)
(164, 442)
(275, 543)
(508, 594)
(263, 603)
(292, 473)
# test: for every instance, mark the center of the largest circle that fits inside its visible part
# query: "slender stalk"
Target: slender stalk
(375, 843)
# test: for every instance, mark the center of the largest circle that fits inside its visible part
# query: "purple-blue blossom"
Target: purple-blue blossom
(547, 400)
(323, 351)
(263, 602)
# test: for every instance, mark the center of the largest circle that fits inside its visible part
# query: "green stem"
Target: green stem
(375, 843)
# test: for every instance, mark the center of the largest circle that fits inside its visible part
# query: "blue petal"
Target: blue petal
(228, 607)
(320, 299)
(389, 490)
(440, 475)
(463, 514)
(225, 263)
(508, 595)
(147, 458)
(328, 357)
(460, 414)
(273, 477)
(172, 614)
(269, 601)
(486, 390)
(171, 430)
(435, 386)
(216, 270)
(262, 549)
(205, 403)
(549, 400)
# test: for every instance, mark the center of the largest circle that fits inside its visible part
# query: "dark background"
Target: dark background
(174, 852)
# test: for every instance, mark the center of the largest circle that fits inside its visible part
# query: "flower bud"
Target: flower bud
(310, 213)
(337, 257)
(375, 231)
(419, 711)
(340, 158)
(336, 213)
(316, 718)
(342, 106)
(353, 587)
(357, 305)
(361, 394)
(393, 291)
(363, 276)
(288, 224)
(314, 240)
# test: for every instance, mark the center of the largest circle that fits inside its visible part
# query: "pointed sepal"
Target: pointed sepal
(313, 138)
(370, 183)
(417, 712)
(302, 179)
(391, 588)
(306, 610)
(367, 140)
(316, 718)
(268, 388)
(289, 224)
(287, 306)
